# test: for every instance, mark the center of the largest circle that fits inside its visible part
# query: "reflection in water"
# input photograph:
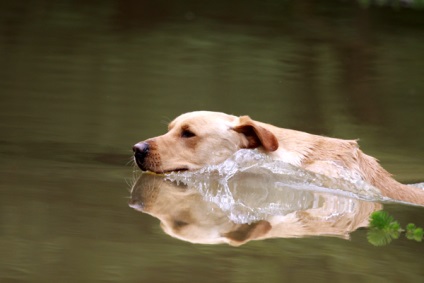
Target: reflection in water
(248, 205)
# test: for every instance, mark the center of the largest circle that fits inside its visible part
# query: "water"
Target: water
(277, 174)
(81, 82)
(249, 189)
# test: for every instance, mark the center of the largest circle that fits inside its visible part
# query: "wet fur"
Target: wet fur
(218, 136)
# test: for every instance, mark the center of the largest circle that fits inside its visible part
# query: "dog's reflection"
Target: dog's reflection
(188, 213)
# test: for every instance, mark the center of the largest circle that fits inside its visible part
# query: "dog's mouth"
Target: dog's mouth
(175, 170)
(139, 163)
(163, 172)
(147, 167)
(167, 171)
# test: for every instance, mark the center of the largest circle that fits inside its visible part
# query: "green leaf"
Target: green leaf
(394, 226)
(383, 229)
(410, 227)
(380, 219)
(414, 233)
(378, 237)
(394, 234)
(418, 234)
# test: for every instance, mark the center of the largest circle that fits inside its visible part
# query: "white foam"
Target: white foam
(249, 185)
(419, 185)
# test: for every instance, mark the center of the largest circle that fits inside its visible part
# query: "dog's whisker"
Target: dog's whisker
(131, 161)
(165, 121)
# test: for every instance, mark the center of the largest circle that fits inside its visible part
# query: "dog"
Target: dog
(201, 138)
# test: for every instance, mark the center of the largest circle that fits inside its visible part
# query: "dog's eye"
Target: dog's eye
(187, 134)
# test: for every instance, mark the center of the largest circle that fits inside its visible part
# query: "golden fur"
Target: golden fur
(200, 138)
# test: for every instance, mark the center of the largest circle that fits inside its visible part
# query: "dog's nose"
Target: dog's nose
(141, 150)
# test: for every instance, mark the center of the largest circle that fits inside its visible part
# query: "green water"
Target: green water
(82, 81)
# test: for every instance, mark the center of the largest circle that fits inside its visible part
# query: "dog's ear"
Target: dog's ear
(246, 232)
(256, 135)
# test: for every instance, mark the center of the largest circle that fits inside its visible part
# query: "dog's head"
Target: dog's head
(201, 138)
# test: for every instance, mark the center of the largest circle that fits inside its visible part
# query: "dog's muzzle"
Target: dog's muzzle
(141, 150)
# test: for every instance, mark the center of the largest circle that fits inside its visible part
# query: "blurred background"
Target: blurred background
(82, 81)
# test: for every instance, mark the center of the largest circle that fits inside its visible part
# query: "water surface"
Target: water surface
(81, 82)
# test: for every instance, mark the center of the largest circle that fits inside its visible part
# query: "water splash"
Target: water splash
(250, 185)
(282, 174)
(419, 185)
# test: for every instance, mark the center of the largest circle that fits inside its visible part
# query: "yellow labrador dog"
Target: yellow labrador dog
(201, 138)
